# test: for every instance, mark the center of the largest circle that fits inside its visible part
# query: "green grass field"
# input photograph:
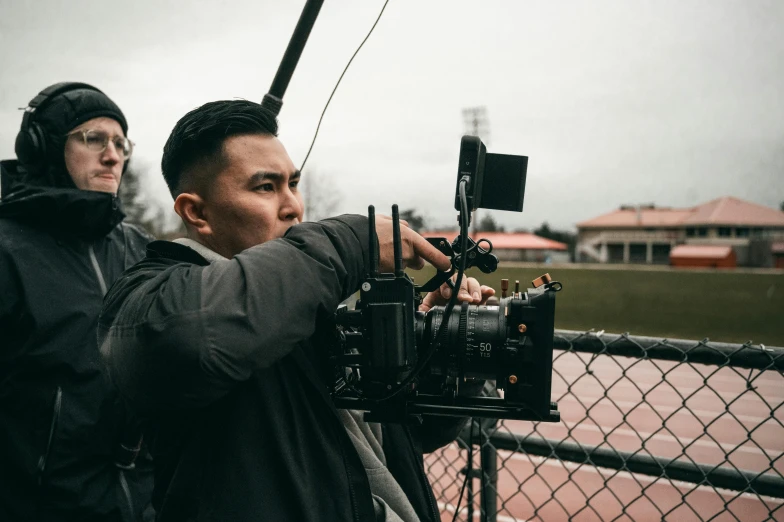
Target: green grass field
(724, 306)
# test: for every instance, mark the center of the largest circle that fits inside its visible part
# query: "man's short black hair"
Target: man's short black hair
(194, 151)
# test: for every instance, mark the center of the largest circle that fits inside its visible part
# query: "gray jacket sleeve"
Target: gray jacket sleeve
(185, 336)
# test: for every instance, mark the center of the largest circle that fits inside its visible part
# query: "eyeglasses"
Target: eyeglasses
(97, 141)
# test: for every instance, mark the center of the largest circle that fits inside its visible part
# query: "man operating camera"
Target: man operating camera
(214, 340)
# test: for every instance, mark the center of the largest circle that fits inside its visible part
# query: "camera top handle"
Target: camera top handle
(475, 256)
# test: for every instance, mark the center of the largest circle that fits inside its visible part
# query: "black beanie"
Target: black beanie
(70, 109)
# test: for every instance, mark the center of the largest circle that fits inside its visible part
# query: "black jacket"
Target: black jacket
(225, 363)
(60, 421)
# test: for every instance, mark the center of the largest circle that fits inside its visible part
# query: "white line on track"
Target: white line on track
(628, 405)
(647, 437)
(726, 396)
(769, 378)
(443, 506)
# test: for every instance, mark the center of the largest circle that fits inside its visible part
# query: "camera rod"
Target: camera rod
(482, 407)
(273, 100)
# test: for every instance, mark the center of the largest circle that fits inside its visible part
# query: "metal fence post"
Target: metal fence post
(488, 494)
(470, 473)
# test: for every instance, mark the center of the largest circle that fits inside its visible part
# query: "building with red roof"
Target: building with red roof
(778, 254)
(648, 234)
(706, 256)
(516, 246)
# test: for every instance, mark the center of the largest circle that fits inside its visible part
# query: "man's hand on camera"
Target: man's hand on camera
(416, 250)
(470, 292)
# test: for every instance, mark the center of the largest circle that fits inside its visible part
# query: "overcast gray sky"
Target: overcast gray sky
(672, 102)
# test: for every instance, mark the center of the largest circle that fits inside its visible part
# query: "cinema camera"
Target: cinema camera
(385, 348)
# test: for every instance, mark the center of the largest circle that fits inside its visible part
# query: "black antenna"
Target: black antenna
(372, 241)
(273, 100)
(396, 242)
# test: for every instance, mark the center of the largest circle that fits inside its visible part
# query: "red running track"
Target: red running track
(663, 408)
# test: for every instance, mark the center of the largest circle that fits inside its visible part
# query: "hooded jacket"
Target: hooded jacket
(61, 422)
(226, 362)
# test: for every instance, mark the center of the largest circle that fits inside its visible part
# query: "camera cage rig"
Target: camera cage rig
(384, 347)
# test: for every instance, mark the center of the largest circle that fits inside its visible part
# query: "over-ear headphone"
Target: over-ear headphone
(31, 143)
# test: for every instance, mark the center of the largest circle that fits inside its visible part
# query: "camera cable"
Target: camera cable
(338, 83)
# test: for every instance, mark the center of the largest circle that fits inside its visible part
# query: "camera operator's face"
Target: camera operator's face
(255, 198)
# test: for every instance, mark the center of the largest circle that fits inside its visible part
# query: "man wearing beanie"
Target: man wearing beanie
(68, 449)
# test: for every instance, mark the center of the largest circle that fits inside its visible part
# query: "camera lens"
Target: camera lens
(471, 345)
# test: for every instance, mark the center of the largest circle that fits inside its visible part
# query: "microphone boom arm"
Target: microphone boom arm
(273, 100)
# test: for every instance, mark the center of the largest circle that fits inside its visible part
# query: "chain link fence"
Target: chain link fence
(650, 429)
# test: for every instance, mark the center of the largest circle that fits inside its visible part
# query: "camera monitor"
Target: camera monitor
(497, 181)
